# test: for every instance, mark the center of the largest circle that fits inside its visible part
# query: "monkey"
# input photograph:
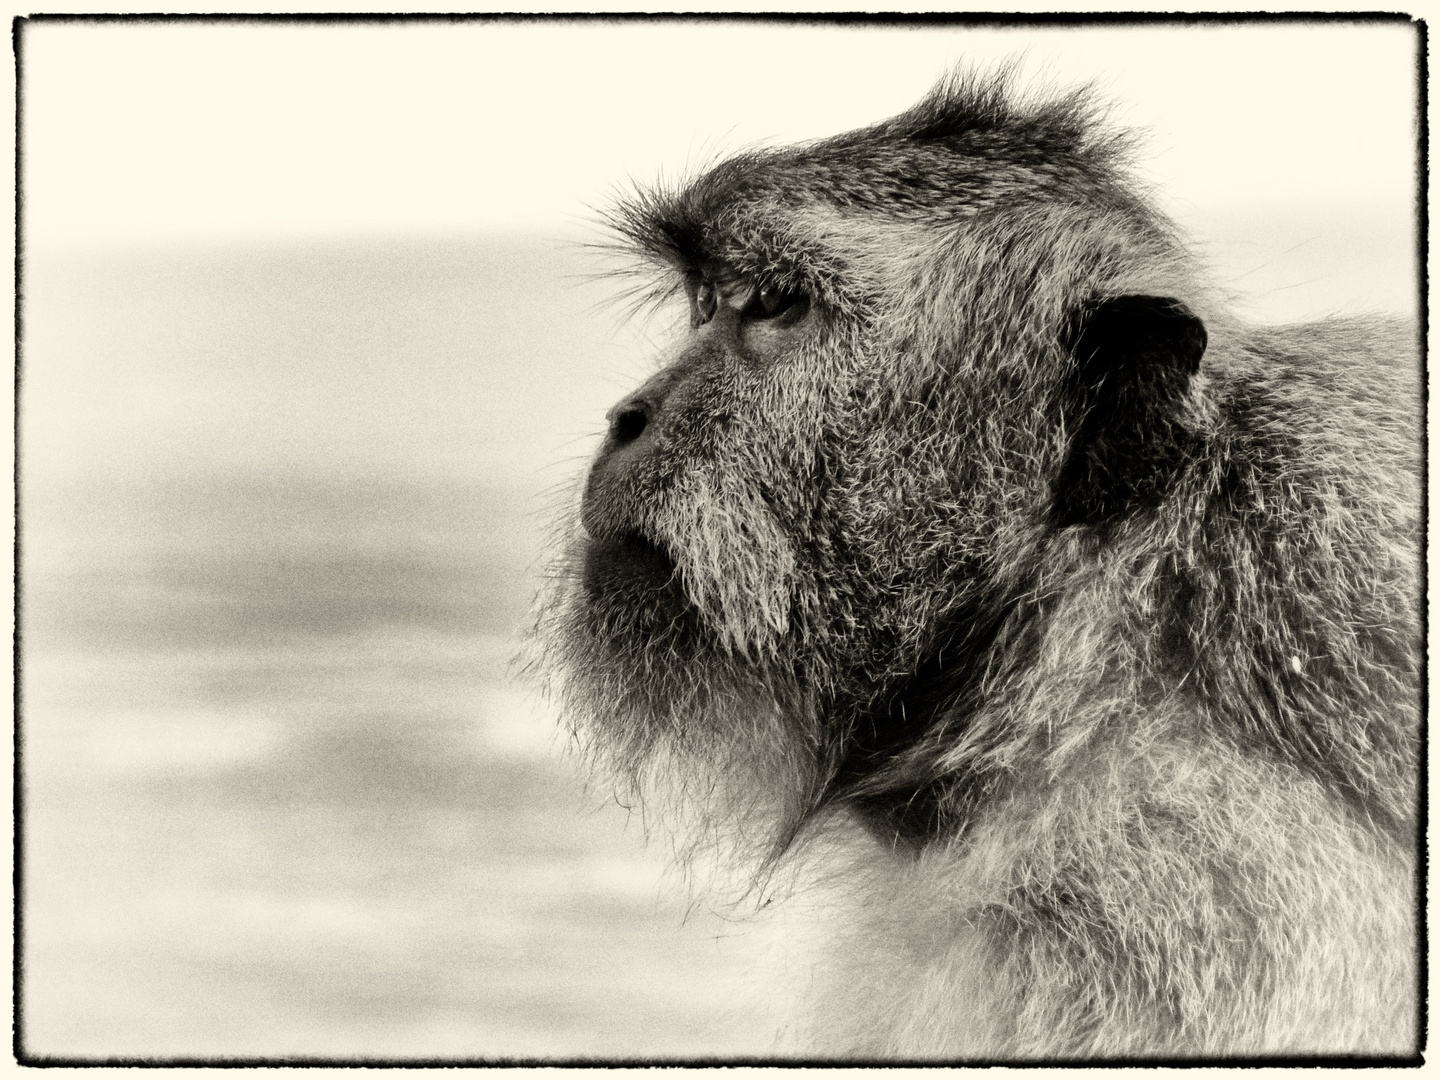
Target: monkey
(967, 556)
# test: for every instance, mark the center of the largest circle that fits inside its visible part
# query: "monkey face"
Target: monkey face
(675, 619)
(802, 538)
(685, 524)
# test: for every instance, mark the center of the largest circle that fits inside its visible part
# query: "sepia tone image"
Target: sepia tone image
(715, 541)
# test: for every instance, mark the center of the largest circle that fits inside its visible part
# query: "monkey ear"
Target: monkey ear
(1134, 358)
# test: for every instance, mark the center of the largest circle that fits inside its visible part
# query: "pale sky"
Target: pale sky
(213, 130)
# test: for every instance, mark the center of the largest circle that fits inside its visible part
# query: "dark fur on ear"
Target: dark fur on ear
(1134, 358)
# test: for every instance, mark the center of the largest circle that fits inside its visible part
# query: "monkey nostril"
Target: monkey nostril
(627, 425)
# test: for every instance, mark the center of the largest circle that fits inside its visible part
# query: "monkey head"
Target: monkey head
(921, 363)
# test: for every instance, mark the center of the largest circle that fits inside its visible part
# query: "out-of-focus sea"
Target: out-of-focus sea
(283, 793)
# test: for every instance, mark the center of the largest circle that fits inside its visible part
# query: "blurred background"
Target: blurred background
(312, 351)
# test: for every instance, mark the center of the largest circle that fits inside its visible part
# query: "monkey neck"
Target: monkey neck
(887, 775)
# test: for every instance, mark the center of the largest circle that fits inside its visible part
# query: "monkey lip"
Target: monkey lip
(629, 572)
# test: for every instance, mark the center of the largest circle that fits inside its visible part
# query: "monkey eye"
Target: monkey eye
(703, 304)
(756, 302)
(770, 301)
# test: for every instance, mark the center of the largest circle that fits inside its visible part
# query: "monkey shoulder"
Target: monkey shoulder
(1308, 486)
(1343, 393)
(1099, 910)
(1158, 866)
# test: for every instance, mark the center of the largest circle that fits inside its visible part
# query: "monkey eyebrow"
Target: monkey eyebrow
(725, 257)
(688, 242)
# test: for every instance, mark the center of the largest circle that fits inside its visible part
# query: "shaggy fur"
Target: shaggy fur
(985, 572)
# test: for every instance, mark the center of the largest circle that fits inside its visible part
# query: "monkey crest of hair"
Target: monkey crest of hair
(963, 525)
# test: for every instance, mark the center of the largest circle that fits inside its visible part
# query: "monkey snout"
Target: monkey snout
(610, 489)
(634, 419)
(631, 431)
(628, 421)
(617, 474)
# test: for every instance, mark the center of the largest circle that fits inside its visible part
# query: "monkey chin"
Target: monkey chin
(629, 578)
(713, 748)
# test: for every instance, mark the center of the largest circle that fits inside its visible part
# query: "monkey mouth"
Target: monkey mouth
(633, 578)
